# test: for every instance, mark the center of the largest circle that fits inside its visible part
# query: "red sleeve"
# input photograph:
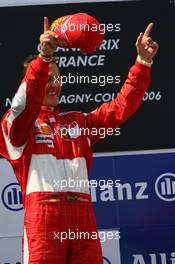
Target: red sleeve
(26, 104)
(126, 103)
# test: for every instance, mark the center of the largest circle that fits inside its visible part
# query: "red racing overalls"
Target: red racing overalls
(41, 157)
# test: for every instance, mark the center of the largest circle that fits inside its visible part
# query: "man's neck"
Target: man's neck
(47, 108)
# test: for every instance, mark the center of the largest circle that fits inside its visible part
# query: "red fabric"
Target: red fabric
(81, 31)
(50, 214)
(36, 79)
(23, 129)
(111, 114)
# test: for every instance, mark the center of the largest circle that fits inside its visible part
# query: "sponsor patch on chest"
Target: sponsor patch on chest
(43, 134)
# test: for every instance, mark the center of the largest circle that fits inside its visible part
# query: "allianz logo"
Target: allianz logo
(159, 258)
(12, 263)
(12, 197)
(164, 188)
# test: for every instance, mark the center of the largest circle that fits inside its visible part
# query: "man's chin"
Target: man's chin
(50, 103)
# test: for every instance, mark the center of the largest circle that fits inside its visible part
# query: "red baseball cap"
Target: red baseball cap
(78, 30)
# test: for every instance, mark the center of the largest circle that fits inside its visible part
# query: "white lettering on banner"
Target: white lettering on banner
(70, 99)
(123, 192)
(141, 190)
(8, 102)
(78, 98)
(86, 98)
(107, 195)
(138, 259)
(129, 193)
(76, 61)
(164, 189)
(154, 259)
(109, 44)
(152, 96)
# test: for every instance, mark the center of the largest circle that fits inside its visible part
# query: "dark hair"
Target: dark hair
(29, 59)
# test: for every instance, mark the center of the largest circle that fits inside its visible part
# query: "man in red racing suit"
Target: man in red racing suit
(46, 149)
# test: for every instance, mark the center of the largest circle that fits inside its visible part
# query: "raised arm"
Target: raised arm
(18, 121)
(114, 113)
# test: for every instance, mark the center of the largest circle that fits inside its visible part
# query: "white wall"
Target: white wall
(5, 3)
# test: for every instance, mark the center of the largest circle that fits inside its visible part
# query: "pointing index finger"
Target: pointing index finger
(148, 29)
(46, 24)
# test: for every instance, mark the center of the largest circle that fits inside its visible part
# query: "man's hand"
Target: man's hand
(48, 41)
(146, 47)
